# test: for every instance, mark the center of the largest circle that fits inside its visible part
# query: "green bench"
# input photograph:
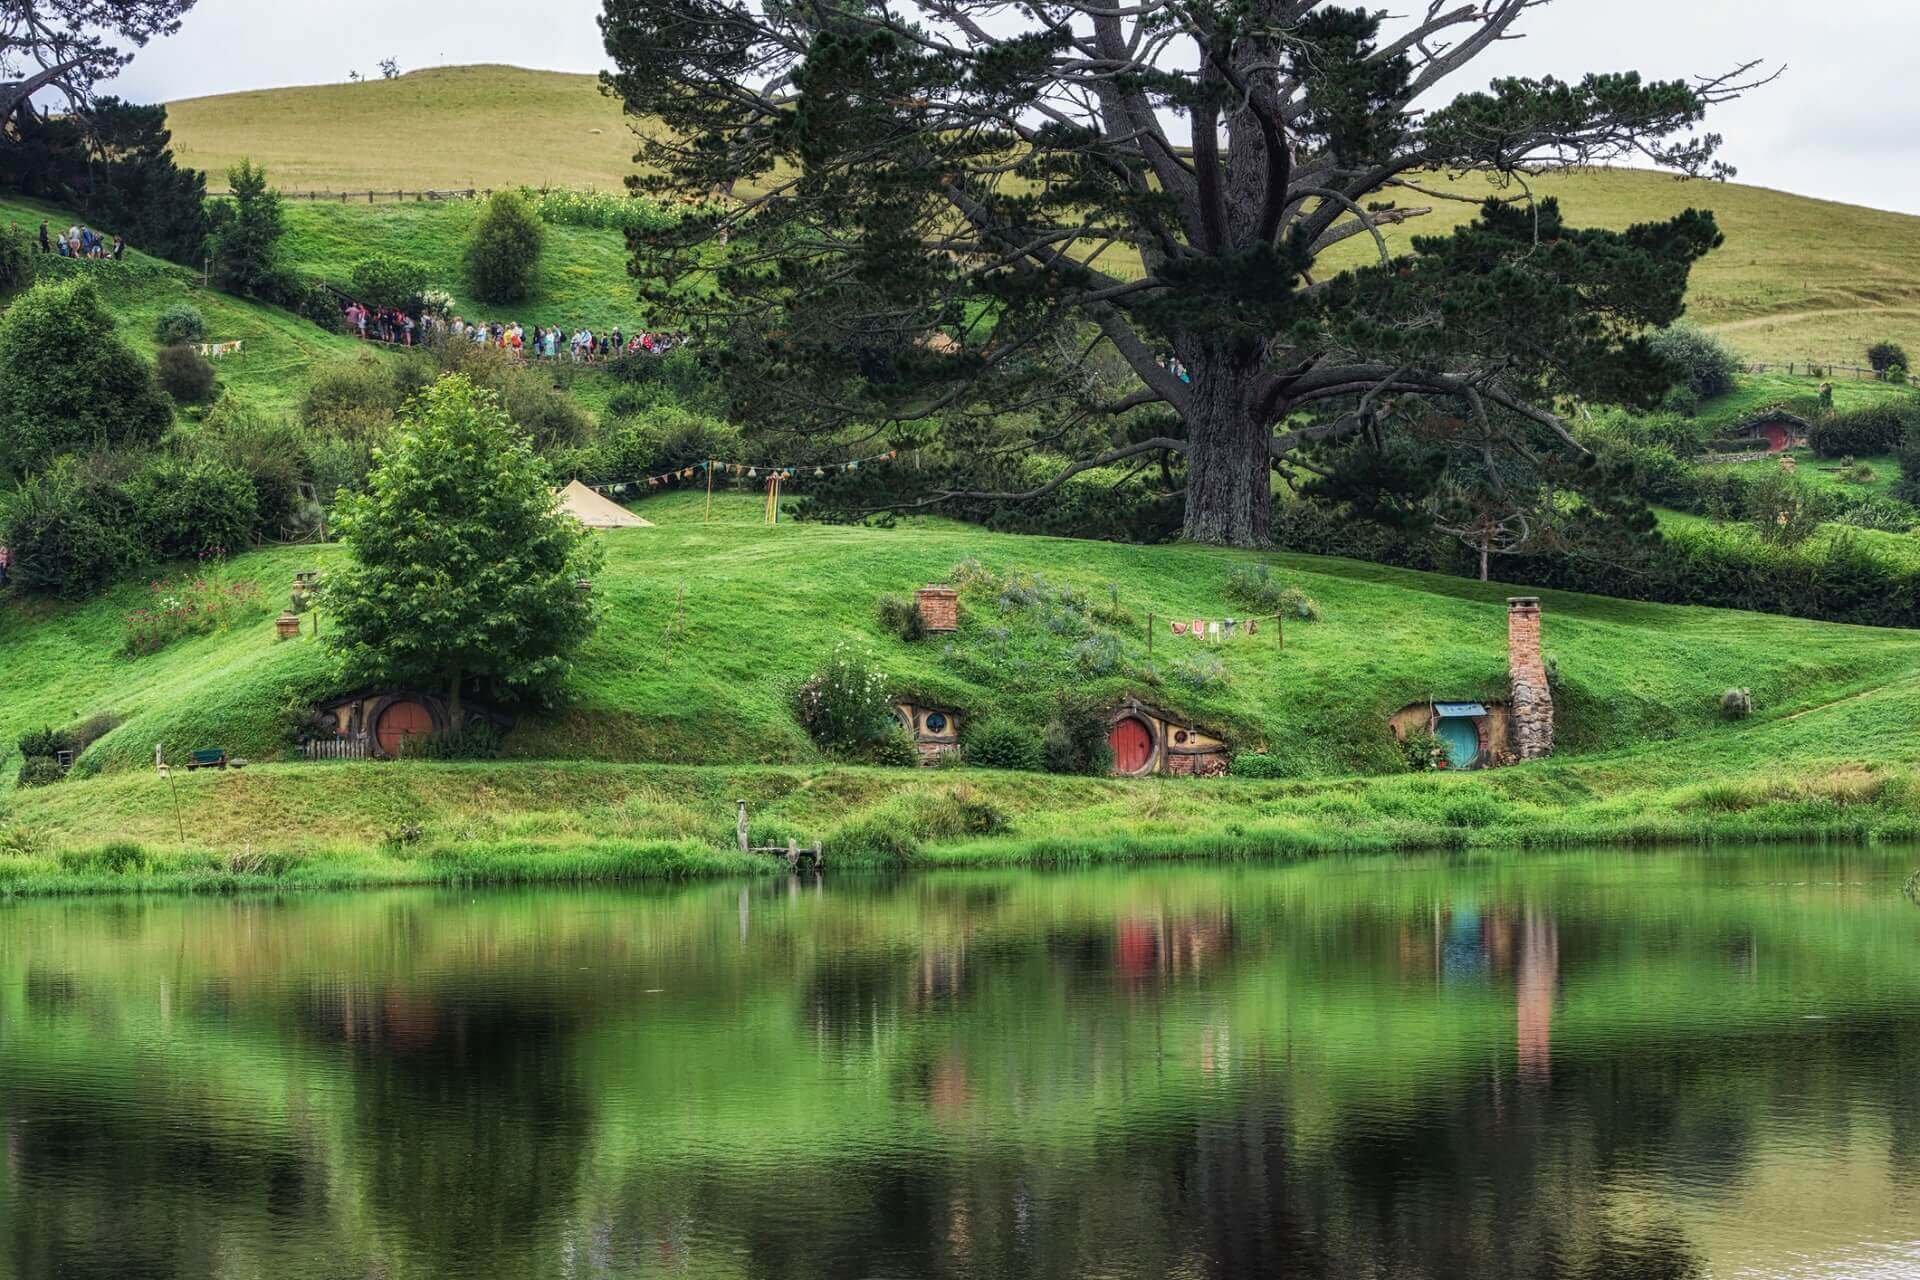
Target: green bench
(214, 759)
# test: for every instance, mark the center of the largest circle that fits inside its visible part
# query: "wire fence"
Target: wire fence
(1817, 369)
(374, 197)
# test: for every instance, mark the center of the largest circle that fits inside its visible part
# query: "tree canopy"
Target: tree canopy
(71, 45)
(465, 571)
(1115, 220)
(68, 381)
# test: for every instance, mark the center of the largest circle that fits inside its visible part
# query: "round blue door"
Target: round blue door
(1461, 737)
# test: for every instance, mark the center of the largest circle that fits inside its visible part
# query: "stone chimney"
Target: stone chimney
(1527, 673)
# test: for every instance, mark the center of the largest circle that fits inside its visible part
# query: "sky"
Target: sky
(1837, 124)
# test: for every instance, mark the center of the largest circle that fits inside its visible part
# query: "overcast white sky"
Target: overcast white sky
(1841, 123)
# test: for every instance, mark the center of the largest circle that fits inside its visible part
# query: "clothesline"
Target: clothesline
(752, 471)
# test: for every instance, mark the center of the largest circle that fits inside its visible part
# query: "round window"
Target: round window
(936, 722)
(1180, 735)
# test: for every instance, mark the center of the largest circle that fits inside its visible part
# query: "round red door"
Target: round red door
(1132, 745)
(399, 722)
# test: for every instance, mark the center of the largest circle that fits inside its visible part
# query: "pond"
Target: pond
(1591, 1065)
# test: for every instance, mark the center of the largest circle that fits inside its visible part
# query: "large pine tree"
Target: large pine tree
(944, 208)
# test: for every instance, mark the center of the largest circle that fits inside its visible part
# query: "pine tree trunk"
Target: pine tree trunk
(1229, 490)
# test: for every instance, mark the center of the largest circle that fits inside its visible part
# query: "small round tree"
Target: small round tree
(465, 570)
(68, 381)
(1699, 361)
(503, 249)
(1887, 355)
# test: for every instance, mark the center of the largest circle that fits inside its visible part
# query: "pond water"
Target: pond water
(1532, 1065)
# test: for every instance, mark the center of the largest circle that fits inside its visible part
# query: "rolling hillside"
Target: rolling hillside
(1799, 278)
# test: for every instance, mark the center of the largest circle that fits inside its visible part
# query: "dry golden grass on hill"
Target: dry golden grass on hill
(1798, 279)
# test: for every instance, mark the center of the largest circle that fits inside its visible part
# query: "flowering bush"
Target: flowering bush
(600, 209)
(186, 607)
(845, 708)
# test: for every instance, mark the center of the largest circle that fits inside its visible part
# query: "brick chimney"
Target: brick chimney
(939, 608)
(1527, 673)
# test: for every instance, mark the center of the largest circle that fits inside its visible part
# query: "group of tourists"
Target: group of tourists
(79, 241)
(546, 342)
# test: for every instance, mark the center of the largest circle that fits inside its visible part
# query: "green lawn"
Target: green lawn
(711, 625)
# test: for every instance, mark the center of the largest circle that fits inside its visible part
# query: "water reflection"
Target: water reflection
(1574, 1066)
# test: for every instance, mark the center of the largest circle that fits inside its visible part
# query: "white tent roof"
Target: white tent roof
(597, 512)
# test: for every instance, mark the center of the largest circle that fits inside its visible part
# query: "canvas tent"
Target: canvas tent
(597, 512)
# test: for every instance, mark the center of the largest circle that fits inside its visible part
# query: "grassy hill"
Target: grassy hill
(711, 625)
(1799, 278)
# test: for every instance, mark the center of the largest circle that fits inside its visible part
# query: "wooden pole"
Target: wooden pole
(1280, 629)
(709, 488)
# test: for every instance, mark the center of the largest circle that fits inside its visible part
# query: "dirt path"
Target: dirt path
(1790, 317)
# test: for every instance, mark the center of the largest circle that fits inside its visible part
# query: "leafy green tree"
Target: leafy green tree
(503, 249)
(246, 233)
(1123, 216)
(69, 531)
(1886, 355)
(68, 381)
(384, 281)
(465, 571)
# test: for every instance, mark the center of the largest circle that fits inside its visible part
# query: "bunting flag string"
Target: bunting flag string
(706, 471)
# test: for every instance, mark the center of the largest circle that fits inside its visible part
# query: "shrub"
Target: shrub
(179, 324)
(1076, 739)
(44, 741)
(386, 281)
(477, 739)
(184, 508)
(39, 771)
(1878, 428)
(68, 381)
(900, 615)
(1887, 355)
(352, 400)
(845, 707)
(503, 250)
(1780, 510)
(1096, 655)
(1002, 744)
(70, 532)
(314, 300)
(184, 374)
(600, 210)
(1422, 751)
(894, 750)
(1252, 764)
(16, 261)
(1298, 605)
(1251, 586)
(274, 453)
(1699, 361)
(1907, 487)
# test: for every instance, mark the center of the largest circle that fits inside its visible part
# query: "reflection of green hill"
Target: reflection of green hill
(954, 1024)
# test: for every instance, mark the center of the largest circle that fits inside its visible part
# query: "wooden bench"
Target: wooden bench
(213, 759)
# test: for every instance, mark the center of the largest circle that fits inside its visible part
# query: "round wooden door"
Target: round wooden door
(399, 722)
(1132, 745)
